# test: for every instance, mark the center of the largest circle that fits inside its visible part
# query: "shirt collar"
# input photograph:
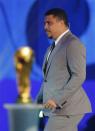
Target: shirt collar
(57, 40)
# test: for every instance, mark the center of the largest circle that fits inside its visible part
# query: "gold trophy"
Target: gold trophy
(23, 62)
(23, 115)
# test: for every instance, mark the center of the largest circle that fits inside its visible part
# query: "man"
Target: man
(64, 73)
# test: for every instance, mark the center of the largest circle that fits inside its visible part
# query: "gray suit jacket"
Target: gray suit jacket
(65, 74)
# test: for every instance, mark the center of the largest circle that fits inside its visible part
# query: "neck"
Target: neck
(61, 32)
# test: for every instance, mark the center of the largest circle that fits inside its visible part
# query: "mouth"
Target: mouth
(47, 30)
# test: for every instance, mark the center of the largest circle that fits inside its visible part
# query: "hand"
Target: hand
(50, 104)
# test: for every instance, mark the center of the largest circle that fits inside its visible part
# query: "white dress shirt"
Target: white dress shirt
(57, 40)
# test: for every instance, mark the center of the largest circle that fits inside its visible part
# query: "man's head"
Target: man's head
(56, 22)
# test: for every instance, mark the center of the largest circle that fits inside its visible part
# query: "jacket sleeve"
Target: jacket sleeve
(76, 59)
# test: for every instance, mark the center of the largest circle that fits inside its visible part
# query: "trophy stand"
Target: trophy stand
(23, 117)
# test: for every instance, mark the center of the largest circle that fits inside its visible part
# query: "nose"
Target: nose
(45, 26)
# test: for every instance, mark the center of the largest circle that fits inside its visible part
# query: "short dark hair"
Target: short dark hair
(59, 13)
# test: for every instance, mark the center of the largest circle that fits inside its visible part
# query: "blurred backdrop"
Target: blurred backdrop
(21, 24)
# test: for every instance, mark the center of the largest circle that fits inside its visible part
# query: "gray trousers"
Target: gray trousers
(63, 123)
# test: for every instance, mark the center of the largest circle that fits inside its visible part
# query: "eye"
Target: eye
(49, 23)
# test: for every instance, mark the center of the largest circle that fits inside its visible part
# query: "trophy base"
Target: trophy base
(23, 117)
(24, 100)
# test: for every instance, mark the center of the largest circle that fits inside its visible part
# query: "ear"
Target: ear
(62, 22)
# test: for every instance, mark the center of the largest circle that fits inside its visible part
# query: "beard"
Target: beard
(49, 34)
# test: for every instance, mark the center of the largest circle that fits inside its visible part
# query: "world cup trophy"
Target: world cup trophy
(23, 115)
(23, 64)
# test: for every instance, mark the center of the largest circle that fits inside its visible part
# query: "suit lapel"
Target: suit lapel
(56, 49)
(43, 67)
